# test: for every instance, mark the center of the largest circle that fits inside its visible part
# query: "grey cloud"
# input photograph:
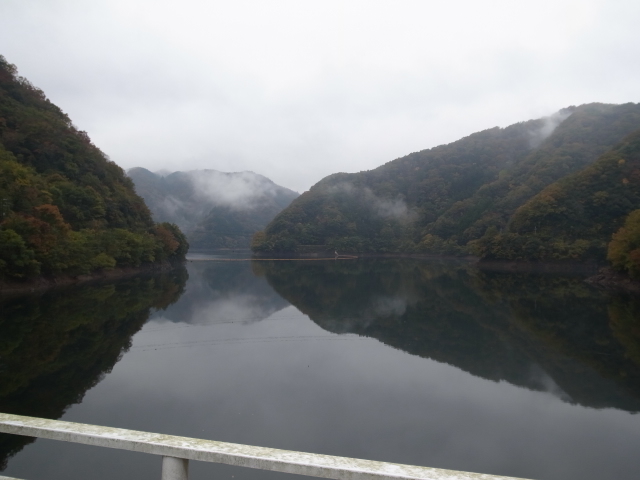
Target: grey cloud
(297, 92)
(240, 190)
(171, 205)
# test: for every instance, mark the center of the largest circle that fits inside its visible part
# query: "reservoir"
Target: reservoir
(426, 362)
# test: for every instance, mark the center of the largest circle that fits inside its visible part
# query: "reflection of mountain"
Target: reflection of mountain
(221, 292)
(214, 209)
(543, 333)
(55, 347)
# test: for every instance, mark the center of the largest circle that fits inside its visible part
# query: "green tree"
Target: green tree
(64, 206)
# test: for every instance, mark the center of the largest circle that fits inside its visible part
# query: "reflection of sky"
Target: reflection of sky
(216, 293)
(285, 382)
(290, 385)
(235, 306)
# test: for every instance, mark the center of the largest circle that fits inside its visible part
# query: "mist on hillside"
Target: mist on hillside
(395, 208)
(238, 190)
(548, 126)
(215, 209)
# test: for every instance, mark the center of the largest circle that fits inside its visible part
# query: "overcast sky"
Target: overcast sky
(297, 90)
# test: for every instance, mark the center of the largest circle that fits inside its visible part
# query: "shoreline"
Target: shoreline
(40, 284)
(585, 267)
(588, 267)
(612, 281)
(596, 274)
(331, 256)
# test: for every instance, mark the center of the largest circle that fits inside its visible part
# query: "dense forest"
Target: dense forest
(552, 188)
(214, 209)
(575, 216)
(64, 206)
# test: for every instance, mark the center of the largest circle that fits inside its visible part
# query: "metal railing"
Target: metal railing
(177, 451)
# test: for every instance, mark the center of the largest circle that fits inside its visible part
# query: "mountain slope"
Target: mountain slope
(439, 200)
(64, 206)
(215, 209)
(577, 215)
(580, 138)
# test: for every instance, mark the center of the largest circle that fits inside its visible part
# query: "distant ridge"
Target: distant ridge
(215, 209)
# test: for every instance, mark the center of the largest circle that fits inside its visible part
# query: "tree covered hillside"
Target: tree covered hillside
(214, 209)
(576, 216)
(65, 208)
(443, 199)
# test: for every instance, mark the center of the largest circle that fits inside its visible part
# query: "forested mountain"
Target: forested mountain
(214, 209)
(461, 197)
(65, 208)
(576, 215)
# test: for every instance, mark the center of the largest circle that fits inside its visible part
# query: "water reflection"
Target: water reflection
(296, 355)
(551, 333)
(56, 346)
(223, 291)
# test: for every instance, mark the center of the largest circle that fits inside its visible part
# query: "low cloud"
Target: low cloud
(547, 127)
(395, 208)
(240, 190)
(171, 205)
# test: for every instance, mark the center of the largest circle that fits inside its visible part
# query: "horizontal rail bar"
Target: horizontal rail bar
(287, 461)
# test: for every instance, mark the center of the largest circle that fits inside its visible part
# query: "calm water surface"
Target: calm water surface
(406, 361)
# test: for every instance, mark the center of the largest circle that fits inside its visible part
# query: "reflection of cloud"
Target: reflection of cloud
(389, 306)
(223, 293)
(541, 379)
(379, 307)
(237, 307)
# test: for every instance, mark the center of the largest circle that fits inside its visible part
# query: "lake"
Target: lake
(425, 362)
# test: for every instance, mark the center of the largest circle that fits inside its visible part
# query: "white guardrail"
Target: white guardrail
(177, 451)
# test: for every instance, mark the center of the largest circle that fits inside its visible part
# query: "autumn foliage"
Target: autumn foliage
(64, 207)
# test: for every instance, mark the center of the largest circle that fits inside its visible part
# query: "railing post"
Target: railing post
(175, 468)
